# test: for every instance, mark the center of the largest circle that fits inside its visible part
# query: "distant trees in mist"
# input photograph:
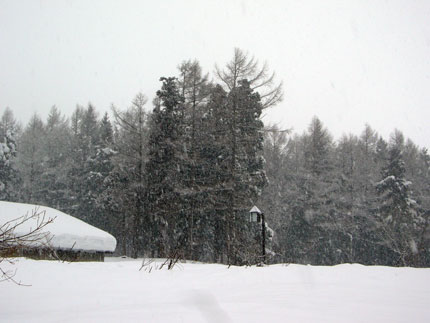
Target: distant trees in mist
(180, 179)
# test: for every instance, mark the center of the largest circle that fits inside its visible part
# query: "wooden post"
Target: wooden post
(263, 238)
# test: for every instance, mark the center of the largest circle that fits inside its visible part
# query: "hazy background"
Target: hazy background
(348, 62)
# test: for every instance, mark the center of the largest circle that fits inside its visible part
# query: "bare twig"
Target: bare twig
(13, 239)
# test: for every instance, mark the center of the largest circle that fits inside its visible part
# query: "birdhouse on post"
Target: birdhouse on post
(255, 215)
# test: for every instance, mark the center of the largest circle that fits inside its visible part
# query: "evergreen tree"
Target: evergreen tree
(85, 144)
(244, 166)
(165, 168)
(10, 180)
(97, 169)
(211, 177)
(399, 219)
(423, 175)
(9, 177)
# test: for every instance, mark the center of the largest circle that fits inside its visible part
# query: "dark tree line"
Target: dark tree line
(360, 199)
(178, 181)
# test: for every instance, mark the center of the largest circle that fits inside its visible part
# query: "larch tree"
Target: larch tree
(57, 145)
(319, 191)
(260, 79)
(131, 144)
(195, 90)
(250, 88)
(121, 197)
(31, 159)
(211, 177)
(272, 199)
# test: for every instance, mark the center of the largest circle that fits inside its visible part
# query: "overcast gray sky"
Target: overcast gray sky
(348, 62)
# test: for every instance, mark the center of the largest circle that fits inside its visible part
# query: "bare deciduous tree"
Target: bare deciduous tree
(259, 77)
(132, 131)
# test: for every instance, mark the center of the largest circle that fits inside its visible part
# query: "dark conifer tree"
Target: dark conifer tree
(86, 142)
(211, 176)
(167, 162)
(397, 210)
(244, 169)
(10, 180)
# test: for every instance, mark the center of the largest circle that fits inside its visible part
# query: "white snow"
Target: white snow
(119, 292)
(387, 179)
(108, 151)
(255, 209)
(64, 232)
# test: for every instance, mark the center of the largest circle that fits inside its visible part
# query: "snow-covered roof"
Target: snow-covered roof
(65, 231)
(255, 210)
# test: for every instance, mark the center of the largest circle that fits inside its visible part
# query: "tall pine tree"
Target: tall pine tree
(165, 170)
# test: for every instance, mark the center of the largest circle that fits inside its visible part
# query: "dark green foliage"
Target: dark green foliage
(394, 188)
(161, 193)
(325, 205)
(165, 171)
(401, 223)
(9, 177)
(179, 182)
(246, 177)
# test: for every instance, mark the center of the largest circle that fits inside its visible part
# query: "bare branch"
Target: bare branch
(13, 238)
(244, 67)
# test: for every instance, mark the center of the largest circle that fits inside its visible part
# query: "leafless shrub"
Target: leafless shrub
(173, 259)
(148, 265)
(14, 238)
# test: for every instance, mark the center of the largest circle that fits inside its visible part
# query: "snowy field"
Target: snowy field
(116, 291)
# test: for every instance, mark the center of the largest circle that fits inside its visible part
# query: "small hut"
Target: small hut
(59, 235)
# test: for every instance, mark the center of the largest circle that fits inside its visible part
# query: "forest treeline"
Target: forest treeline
(177, 177)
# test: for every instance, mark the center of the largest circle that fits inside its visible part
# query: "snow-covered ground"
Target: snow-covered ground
(116, 291)
(65, 231)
